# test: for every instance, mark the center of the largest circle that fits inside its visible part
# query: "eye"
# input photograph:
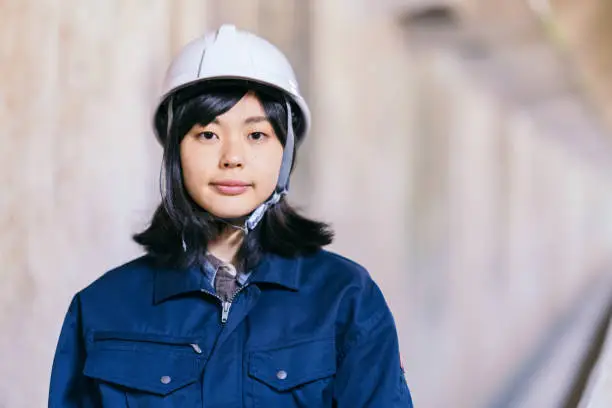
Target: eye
(257, 136)
(206, 136)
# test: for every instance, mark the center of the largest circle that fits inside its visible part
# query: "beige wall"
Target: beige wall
(79, 164)
(512, 227)
(583, 29)
(598, 393)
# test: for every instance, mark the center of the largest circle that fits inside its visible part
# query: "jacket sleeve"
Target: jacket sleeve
(370, 373)
(69, 388)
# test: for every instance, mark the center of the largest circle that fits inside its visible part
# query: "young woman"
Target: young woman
(235, 303)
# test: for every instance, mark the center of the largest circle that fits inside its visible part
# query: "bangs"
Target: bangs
(202, 104)
(203, 108)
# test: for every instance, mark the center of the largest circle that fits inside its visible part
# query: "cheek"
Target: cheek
(195, 172)
(269, 168)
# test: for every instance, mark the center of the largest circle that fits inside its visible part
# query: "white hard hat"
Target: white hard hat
(229, 53)
(233, 54)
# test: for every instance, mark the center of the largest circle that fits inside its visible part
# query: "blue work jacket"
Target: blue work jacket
(312, 331)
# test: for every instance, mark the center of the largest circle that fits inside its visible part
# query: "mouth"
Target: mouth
(230, 187)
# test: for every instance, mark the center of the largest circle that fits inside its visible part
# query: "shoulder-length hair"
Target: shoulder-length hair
(180, 230)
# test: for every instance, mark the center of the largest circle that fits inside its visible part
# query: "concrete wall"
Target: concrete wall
(583, 30)
(79, 164)
(598, 392)
(485, 181)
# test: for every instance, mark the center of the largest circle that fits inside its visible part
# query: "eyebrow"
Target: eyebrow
(252, 119)
(256, 119)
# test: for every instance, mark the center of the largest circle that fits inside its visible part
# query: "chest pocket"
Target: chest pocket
(142, 370)
(296, 376)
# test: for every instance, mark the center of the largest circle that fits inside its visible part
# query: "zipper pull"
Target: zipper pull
(196, 348)
(225, 313)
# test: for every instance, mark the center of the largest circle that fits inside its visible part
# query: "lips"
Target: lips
(230, 187)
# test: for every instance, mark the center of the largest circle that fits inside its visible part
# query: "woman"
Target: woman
(235, 304)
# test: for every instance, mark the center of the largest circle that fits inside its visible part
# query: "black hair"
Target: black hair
(180, 229)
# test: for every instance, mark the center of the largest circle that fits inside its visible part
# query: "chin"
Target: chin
(231, 213)
(229, 216)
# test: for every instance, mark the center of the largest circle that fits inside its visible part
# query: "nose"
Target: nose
(232, 156)
(231, 162)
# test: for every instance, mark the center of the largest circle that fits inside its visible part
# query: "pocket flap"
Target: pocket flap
(288, 367)
(157, 373)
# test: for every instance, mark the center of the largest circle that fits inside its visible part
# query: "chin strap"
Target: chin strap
(282, 186)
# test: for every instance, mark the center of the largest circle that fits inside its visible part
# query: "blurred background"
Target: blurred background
(461, 148)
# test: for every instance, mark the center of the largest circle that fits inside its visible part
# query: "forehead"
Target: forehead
(248, 106)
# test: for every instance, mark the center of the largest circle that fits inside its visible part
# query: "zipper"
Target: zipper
(228, 305)
(225, 305)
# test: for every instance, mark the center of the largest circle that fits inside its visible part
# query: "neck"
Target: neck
(226, 245)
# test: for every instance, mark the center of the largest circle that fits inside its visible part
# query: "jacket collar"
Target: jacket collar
(273, 270)
(278, 271)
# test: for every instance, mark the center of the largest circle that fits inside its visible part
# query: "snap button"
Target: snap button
(281, 374)
(165, 379)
